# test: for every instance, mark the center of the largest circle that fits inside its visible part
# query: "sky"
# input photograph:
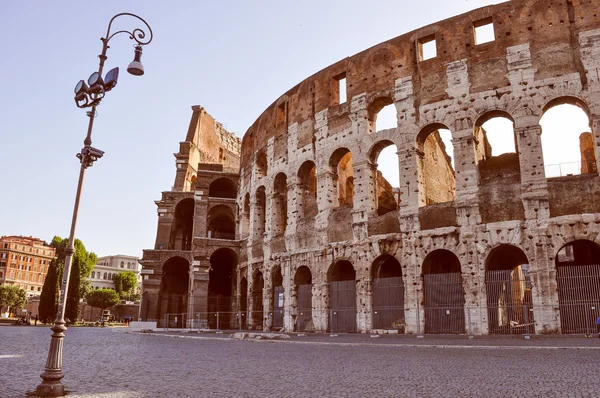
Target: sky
(232, 57)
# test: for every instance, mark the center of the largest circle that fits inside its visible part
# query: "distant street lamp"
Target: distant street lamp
(87, 95)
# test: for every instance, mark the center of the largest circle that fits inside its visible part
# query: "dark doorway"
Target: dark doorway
(508, 288)
(342, 297)
(303, 283)
(278, 298)
(244, 303)
(578, 282)
(388, 294)
(181, 229)
(220, 285)
(444, 298)
(172, 307)
(258, 284)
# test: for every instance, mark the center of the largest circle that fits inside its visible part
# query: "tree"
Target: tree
(81, 267)
(12, 296)
(102, 298)
(125, 282)
(49, 297)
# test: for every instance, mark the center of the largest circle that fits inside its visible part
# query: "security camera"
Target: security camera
(92, 152)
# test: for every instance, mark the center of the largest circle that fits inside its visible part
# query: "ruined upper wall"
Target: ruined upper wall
(550, 28)
(206, 142)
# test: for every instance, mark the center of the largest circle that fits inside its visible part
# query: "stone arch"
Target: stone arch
(280, 204)
(173, 293)
(578, 285)
(508, 290)
(307, 184)
(342, 296)
(245, 216)
(257, 315)
(340, 164)
(223, 263)
(385, 195)
(223, 188)
(388, 294)
(260, 216)
(444, 297)
(220, 222)
(181, 229)
(375, 108)
(436, 177)
(574, 149)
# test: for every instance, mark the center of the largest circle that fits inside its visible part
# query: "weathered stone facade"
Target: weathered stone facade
(307, 191)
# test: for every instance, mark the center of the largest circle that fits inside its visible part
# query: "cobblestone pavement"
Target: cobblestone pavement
(107, 363)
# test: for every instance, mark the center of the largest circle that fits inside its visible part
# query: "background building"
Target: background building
(108, 267)
(24, 262)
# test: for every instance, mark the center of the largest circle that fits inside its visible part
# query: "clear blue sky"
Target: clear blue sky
(232, 57)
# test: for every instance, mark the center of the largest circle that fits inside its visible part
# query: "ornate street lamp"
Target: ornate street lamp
(87, 95)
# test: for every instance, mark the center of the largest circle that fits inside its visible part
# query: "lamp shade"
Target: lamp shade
(135, 67)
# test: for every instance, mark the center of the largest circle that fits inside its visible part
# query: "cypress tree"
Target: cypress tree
(49, 296)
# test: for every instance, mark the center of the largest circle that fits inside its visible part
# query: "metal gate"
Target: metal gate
(342, 306)
(219, 315)
(304, 310)
(278, 307)
(388, 303)
(444, 303)
(578, 297)
(509, 302)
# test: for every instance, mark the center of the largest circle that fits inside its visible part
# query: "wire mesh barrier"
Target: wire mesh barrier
(304, 320)
(510, 307)
(388, 303)
(578, 297)
(342, 305)
(444, 303)
(278, 307)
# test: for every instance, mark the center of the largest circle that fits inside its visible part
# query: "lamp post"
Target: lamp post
(86, 96)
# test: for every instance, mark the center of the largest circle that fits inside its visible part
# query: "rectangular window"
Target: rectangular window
(483, 30)
(282, 112)
(427, 48)
(6, 245)
(3, 255)
(342, 96)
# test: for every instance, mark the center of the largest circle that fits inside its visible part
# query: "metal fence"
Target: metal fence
(569, 168)
(578, 297)
(388, 303)
(509, 302)
(444, 303)
(342, 306)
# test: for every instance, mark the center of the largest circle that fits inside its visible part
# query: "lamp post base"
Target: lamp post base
(51, 385)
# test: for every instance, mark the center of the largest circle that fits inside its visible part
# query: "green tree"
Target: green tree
(102, 298)
(49, 295)
(125, 282)
(12, 297)
(81, 267)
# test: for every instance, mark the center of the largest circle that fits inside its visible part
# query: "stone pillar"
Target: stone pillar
(473, 278)
(467, 176)
(320, 305)
(364, 304)
(288, 291)
(326, 198)
(408, 158)
(534, 188)
(268, 302)
(542, 269)
(365, 200)
(295, 212)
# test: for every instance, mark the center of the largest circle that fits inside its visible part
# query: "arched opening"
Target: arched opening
(261, 164)
(221, 223)
(245, 217)
(307, 179)
(278, 297)
(496, 146)
(340, 165)
(260, 214)
(258, 284)
(303, 285)
(444, 297)
(220, 287)
(342, 297)
(279, 204)
(193, 183)
(222, 188)
(382, 115)
(578, 285)
(181, 230)
(387, 180)
(173, 293)
(508, 289)
(244, 302)
(437, 181)
(567, 142)
(388, 294)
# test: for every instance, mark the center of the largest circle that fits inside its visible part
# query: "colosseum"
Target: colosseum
(293, 228)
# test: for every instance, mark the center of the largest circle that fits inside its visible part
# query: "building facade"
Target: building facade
(107, 267)
(24, 262)
(303, 233)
